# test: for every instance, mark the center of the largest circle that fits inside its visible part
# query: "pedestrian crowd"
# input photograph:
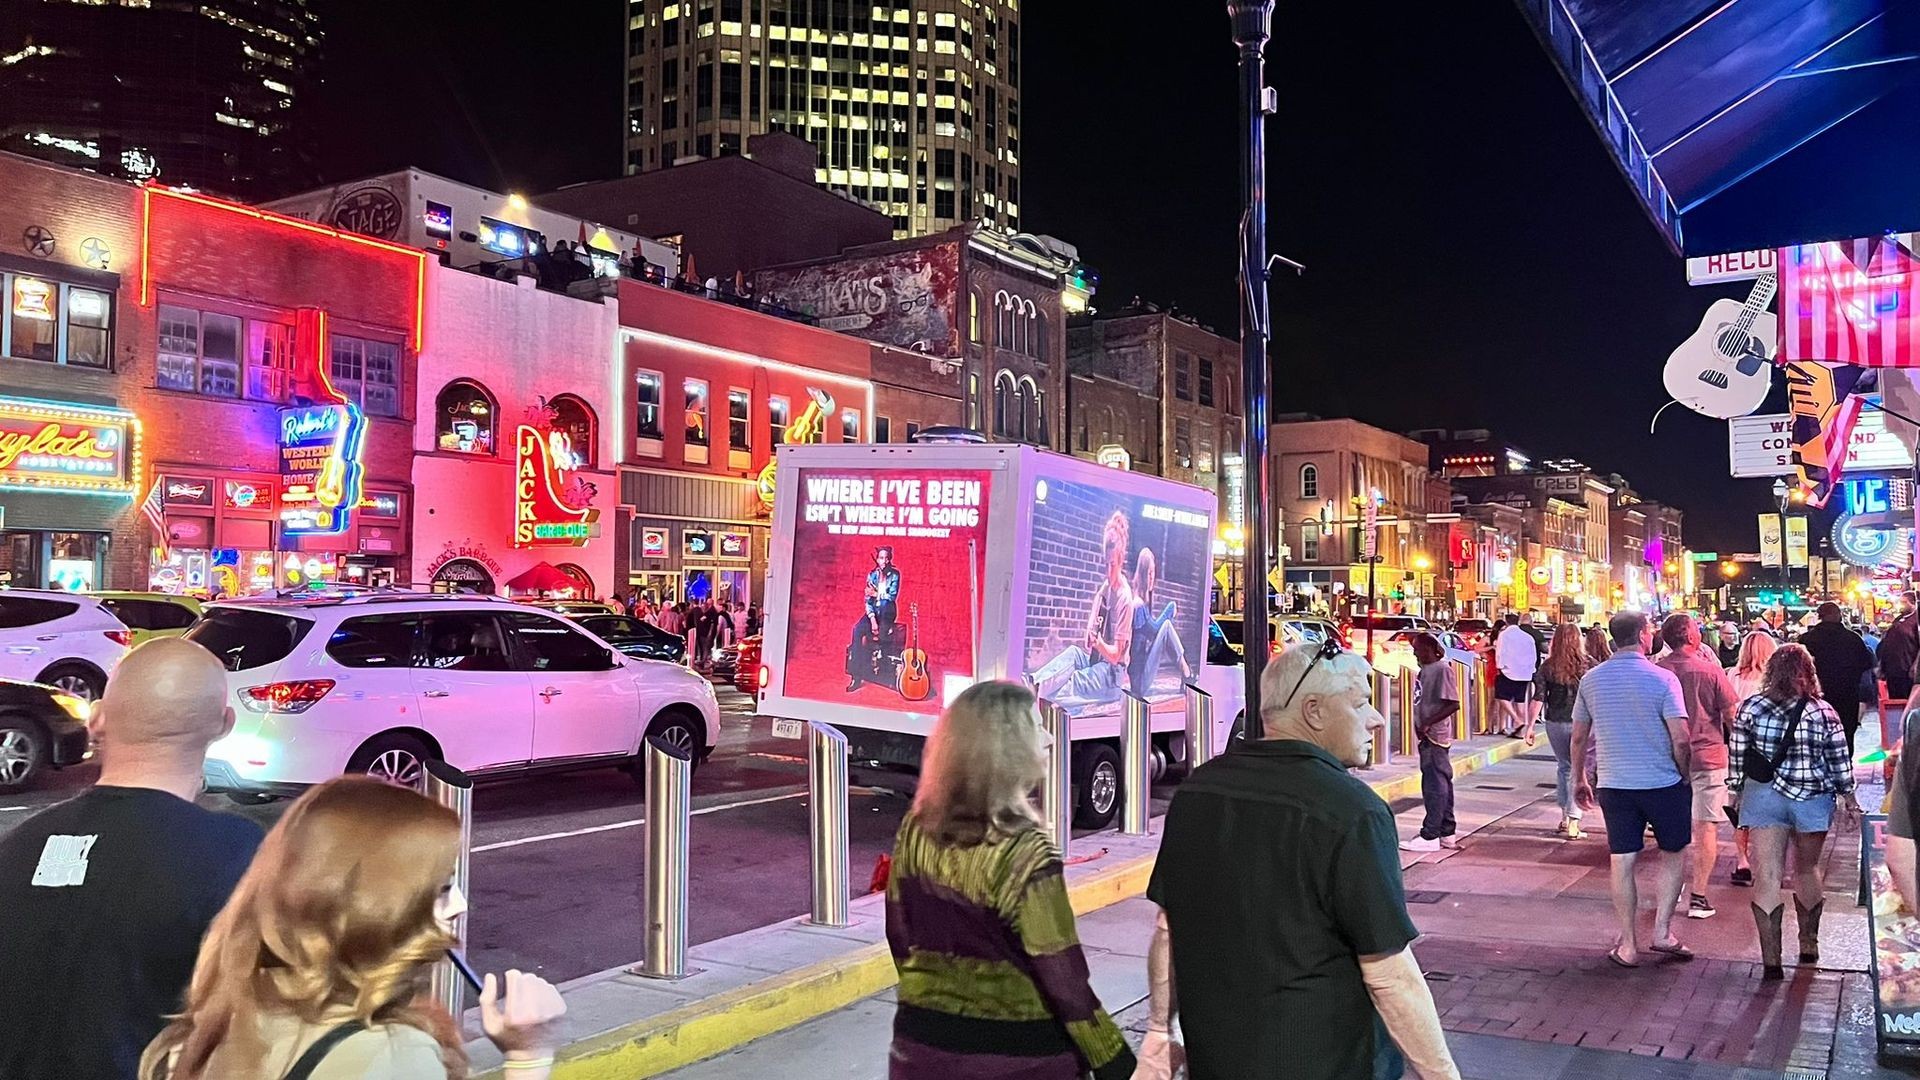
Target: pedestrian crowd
(306, 953)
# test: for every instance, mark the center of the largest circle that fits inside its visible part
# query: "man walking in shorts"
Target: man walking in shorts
(1710, 702)
(1631, 712)
(1515, 656)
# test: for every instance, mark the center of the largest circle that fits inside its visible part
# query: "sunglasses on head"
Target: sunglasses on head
(1328, 650)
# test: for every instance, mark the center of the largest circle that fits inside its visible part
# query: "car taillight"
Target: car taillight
(766, 676)
(119, 637)
(285, 697)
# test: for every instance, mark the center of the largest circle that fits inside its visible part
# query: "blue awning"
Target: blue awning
(1751, 123)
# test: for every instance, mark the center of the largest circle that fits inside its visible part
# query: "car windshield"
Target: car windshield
(245, 639)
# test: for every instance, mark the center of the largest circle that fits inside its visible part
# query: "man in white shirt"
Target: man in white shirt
(1515, 656)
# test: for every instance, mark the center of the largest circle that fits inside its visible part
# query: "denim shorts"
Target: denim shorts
(1763, 807)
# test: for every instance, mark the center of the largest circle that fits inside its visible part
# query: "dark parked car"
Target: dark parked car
(40, 728)
(635, 638)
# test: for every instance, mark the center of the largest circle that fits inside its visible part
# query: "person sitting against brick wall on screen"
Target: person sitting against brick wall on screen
(1091, 672)
(882, 606)
(1154, 636)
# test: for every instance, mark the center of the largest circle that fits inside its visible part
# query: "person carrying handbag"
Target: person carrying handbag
(1792, 747)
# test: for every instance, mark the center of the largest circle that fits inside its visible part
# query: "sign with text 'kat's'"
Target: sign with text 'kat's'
(1763, 445)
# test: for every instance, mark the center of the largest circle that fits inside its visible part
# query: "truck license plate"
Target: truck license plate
(788, 729)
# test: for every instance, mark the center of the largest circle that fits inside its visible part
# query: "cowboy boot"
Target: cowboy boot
(1809, 920)
(1768, 923)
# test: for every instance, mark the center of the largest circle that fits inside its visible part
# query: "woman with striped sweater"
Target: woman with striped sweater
(992, 979)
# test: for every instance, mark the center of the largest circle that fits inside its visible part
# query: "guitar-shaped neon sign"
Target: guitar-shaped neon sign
(1724, 369)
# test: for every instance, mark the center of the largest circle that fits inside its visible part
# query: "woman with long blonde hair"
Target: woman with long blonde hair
(1748, 674)
(318, 966)
(1567, 662)
(977, 913)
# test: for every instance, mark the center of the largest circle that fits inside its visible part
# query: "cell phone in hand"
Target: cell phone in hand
(466, 970)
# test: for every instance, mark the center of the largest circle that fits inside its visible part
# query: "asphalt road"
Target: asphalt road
(557, 860)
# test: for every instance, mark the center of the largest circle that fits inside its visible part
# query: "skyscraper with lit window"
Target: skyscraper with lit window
(912, 107)
(190, 92)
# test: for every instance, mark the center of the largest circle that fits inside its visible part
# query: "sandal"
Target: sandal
(1676, 950)
(1613, 954)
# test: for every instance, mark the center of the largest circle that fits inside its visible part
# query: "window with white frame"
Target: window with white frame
(366, 371)
(779, 415)
(199, 352)
(697, 411)
(649, 388)
(1310, 541)
(739, 417)
(850, 425)
(56, 322)
(1309, 482)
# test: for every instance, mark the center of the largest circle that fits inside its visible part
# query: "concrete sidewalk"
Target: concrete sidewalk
(779, 977)
(1515, 927)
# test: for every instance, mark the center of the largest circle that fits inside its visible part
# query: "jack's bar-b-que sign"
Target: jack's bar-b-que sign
(53, 446)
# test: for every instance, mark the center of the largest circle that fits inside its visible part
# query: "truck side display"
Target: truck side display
(901, 575)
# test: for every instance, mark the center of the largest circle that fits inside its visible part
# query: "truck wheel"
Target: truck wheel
(1096, 785)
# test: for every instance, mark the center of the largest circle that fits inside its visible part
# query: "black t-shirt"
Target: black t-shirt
(103, 902)
(1277, 872)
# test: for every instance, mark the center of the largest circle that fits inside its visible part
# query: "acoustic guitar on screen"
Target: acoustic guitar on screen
(1726, 367)
(914, 683)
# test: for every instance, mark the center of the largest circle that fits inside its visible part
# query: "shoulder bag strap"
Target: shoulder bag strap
(1786, 738)
(309, 1061)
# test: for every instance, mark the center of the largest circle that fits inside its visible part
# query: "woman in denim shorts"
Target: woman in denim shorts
(1812, 771)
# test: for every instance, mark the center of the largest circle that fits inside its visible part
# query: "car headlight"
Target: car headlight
(79, 708)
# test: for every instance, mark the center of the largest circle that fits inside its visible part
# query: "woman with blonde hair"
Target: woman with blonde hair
(992, 979)
(1567, 662)
(318, 966)
(1747, 673)
(1789, 767)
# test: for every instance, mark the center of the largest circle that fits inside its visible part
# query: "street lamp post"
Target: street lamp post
(1421, 564)
(1787, 496)
(1252, 25)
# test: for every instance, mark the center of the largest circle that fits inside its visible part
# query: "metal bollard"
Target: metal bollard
(1380, 695)
(1483, 693)
(1136, 744)
(1463, 717)
(827, 824)
(1199, 727)
(1056, 790)
(664, 900)
(1405, 714)
(452, 789)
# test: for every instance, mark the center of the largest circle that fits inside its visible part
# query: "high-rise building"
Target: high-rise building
(190, 93)
(912, 106)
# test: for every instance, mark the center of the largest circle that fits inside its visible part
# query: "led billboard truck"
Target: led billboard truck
(901, 575)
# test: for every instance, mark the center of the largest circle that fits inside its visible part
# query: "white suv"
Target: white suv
(382, 683)
(65, 640)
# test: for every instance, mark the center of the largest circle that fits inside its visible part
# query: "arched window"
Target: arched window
(573, 418)
(464, 416)
(1029, 317)
(1004, 409)
(1029, 410)
(1002, 321)
(1040, 337)
(1309, 482)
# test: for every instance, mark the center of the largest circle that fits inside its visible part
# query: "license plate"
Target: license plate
(789, 729)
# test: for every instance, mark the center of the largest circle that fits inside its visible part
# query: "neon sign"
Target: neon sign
(806, 428)
(541, 516)
(320, 470)
(1868, 495)
(49, 446)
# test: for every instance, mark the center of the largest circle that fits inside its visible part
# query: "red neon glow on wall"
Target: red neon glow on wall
(146, 246)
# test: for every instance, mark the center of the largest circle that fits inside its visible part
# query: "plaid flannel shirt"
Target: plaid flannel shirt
(1816, 764)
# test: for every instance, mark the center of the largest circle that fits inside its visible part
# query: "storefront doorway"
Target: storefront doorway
(44, 559)
(463, 575)
(656, 587)
(583, 582)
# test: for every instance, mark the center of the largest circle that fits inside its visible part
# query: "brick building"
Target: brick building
(991, 305)
(709, 389)
(732, 214)
(1323, 471)
(503, 356)
(67, 346)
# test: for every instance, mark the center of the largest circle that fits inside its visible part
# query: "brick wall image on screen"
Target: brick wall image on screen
(1064, 582)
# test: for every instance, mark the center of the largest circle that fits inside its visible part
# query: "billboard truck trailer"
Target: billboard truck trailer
(902, 574)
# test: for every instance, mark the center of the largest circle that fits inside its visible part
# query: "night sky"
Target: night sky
(1474, 258)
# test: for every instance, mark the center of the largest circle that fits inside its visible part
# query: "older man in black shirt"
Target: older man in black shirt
(1840, 658)
(106, 896)
(1282, 941)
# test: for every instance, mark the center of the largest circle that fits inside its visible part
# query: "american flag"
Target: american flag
(1851, 302)
(155, 509)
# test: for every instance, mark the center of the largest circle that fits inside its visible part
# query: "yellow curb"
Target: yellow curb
(714, 1025)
